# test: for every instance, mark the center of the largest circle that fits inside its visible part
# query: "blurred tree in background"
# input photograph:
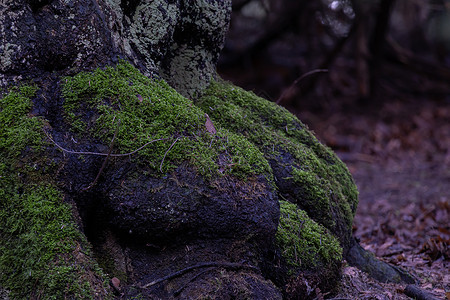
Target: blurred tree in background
(321, 53)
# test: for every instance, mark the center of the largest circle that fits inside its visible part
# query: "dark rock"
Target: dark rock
(184, 206)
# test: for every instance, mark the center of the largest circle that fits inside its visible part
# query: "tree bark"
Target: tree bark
(177, 40)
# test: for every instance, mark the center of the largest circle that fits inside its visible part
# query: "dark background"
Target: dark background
(372, 80)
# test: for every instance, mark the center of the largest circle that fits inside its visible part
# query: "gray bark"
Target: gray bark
(177, 40)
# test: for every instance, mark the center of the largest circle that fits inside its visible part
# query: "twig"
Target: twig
(98, 153)
(105, 161)
(160, 166)
(178, 292)
(298, 80)
(198, 266)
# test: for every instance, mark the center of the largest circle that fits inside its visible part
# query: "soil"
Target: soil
(399, 156)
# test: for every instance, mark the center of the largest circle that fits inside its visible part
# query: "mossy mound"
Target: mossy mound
(127, 154)
(173, 153)
(42, 252)
(318, 192)
(310, 254)
(126, 163)
(305, 243)
(306, 172)
(144, 110)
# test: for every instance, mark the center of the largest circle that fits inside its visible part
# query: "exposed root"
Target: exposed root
(226, 265)
(364, 260)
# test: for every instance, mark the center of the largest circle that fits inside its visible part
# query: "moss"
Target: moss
(303, 242)
(42, 252)
(315, 186)
(322, 182)
(17, 130)
(38, 240)
(148, 109)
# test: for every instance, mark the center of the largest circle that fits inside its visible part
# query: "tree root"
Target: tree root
(364, 260)
(415, 292)
(226, 265)
(178, 292)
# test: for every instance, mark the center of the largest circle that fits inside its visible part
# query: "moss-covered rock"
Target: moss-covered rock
(305, 244)
(132, 158)
(173, 153)
(318, 192)
(144, 110)
(310, 255)
(127, 163)
(306, 172)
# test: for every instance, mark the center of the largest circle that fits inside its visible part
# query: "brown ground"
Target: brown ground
(400, 159)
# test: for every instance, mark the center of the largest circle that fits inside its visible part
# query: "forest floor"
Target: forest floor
(399, 156)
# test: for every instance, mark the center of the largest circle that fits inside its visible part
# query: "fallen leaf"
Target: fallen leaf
(115, 284)
(209, 125)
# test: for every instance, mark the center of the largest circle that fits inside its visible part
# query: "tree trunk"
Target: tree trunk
(177, 40)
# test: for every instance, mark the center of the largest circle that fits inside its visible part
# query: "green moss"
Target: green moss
(316, 187)
(303, 242)
(322, 181)
(17, 130)
(248, 114)
(42, 252)
(149, 109)
(38, 240)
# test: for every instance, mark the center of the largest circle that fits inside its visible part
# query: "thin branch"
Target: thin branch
(143, 146)
(331, 56)
(298, 80)
(98, 153)
(178, 292)
(160, 166)
(106, 159)
(198, 266)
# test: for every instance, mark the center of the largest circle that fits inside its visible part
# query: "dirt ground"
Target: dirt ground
(399, 155)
